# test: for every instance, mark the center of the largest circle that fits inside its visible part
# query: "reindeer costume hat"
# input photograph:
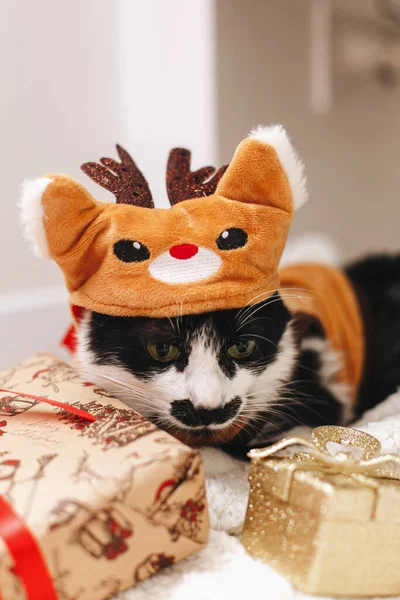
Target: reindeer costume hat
(217, 247)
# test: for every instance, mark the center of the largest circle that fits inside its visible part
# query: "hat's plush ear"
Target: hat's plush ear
(61, 219)
(266, 170)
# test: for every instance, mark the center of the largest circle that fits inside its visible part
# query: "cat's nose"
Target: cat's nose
(184, 251)
(191, 416)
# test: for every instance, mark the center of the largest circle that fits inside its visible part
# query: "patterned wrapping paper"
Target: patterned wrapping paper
(109, 502)
(330, 524)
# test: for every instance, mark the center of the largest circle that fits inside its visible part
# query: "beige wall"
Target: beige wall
(352, 154)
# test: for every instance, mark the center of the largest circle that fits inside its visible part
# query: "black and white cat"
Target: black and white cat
(259, 367)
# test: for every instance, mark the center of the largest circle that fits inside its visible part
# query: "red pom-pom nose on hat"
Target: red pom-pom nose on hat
(184, 251)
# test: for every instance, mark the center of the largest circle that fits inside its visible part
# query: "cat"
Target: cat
(242, 378)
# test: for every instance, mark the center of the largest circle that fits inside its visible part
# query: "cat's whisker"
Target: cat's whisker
(255, 335)
(267, 294)
(271, 294)
(258, 307)
(139, 392)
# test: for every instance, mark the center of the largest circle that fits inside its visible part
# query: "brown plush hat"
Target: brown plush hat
(217, 247)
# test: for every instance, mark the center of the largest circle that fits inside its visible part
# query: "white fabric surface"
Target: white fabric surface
(223, 570)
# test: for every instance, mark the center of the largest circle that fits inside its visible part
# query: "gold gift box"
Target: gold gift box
(99, 506)
(328, 518)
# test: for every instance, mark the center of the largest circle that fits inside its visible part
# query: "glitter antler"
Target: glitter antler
(123, 179)
(183, 184)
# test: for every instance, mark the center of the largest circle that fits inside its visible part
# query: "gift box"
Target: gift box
(93, 497)
(327, 518)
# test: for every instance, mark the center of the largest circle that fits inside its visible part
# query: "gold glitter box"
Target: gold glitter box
(327, 518)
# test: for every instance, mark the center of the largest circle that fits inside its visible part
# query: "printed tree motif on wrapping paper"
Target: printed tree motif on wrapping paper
(114, 427)
(180, 516)
(10, 374)
(56, 374)
(117, 485)
(152, 564)
(84, 471)
(42, 462)
(10, 478)
(8, 473)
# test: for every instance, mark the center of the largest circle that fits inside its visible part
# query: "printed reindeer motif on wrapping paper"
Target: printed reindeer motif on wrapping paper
(217, 247)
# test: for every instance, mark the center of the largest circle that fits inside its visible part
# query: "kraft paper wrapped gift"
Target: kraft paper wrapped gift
(88, 508)
(327, 518)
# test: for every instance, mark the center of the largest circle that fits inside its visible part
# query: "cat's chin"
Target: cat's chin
(206, 436)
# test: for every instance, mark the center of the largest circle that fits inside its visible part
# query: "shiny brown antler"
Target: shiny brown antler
(183, 184)
(123, 179)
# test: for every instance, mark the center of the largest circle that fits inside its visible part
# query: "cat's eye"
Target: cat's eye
(232, 238)
(163, 352)
(131, 251)
(242, 349)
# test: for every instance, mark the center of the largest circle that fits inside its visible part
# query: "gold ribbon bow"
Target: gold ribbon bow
(338, 451)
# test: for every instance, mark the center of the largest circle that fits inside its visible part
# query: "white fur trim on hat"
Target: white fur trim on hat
(276, 136)
(31, 212)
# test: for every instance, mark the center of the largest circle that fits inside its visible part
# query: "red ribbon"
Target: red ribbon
(69, 340)
(78, 412)
(30, 565)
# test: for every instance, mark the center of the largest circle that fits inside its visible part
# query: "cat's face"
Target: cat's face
(203, 377)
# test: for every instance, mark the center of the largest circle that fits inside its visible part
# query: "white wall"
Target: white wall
(76, 77)
(167, 90)
(58, 107)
